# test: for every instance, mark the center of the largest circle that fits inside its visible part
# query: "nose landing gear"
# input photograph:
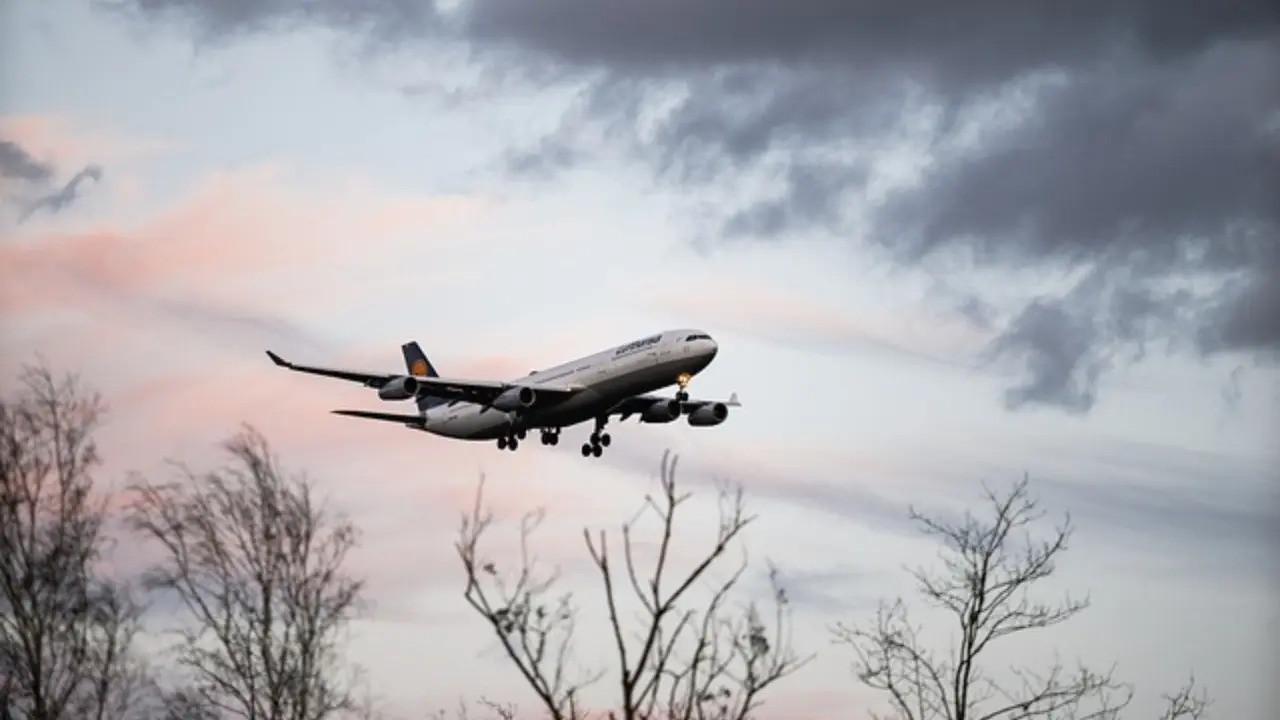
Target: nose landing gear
(551, 436)
(682, 381)
(599, 440)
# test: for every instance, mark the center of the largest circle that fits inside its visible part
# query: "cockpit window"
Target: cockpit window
(691, 338)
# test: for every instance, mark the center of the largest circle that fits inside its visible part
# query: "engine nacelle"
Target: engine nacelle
(516, 398)
(401, 388)
(662, 411)
(709, 415)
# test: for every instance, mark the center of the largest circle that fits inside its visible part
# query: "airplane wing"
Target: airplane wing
(415, 421)
(639, 403)
(476, 391)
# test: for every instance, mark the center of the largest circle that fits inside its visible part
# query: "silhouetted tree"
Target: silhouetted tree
(684, 659)
(66, 630)
(256, 562)
(990, 567)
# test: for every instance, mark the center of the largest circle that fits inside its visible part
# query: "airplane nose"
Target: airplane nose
(715, 348)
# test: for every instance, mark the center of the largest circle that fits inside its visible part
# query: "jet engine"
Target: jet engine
(516, 398)
(708, 415)
(662, 411)
(401, 388)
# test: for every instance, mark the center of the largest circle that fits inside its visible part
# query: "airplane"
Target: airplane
(618, 381)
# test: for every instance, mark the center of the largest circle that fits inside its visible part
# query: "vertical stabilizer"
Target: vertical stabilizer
(417, 364)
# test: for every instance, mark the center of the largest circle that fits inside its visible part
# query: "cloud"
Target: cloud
(17, 163)
(214, 264)
(64, 142)
(790, 317)
(1168, 505)
(211, 22)
(1134, 146)
(25, 181)
(58, 201)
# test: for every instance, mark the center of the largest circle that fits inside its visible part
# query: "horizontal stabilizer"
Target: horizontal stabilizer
(416, 421)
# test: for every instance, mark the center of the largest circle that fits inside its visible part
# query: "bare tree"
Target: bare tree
(1188, 702)
(256, 562)
(681, 659)
(66, 630)
(990, 568)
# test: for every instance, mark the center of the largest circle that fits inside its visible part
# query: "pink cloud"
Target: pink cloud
(63, 143)
(234, 229)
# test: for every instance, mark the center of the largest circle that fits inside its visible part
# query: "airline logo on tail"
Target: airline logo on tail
(416, 362)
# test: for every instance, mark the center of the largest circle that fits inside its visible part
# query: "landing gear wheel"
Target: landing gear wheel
(605, 439)
(554, 440)
(597, 450)
(586, 449)
(683, 383)
(512, 444)
(521, 434)
(502, 443)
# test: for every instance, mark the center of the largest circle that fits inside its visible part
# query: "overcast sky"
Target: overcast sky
(938, 243)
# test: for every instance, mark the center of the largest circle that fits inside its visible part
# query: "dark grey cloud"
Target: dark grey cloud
(1142, 157)
(31, 179)
(214, 21)
(16, 163)
(60, 200)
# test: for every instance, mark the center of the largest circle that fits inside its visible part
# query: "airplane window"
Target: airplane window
(691, 338)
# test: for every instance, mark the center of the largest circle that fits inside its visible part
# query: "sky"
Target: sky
(938, 244)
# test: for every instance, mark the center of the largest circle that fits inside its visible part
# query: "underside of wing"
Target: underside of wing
(660, 408)
(416, 421)
(487, 392)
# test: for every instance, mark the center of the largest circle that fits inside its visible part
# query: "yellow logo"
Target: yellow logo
(419, 368)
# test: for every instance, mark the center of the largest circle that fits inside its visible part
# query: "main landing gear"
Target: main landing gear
(549, 436)
(511, 442)
(599, 440)
(683, 382)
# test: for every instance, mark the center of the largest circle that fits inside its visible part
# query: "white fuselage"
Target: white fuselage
(607, 378)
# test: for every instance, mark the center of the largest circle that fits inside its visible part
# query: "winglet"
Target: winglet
(733, 400)
(277, 359)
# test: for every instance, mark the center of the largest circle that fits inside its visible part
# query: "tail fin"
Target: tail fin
(416, 362)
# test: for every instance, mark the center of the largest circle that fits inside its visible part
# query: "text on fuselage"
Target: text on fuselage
(636, 345)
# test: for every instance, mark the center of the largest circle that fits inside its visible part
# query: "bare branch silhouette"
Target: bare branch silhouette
(66, 630)
(989, 569)
(535, 629)
(1187, 703)
(686, 659)
(256, 562)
